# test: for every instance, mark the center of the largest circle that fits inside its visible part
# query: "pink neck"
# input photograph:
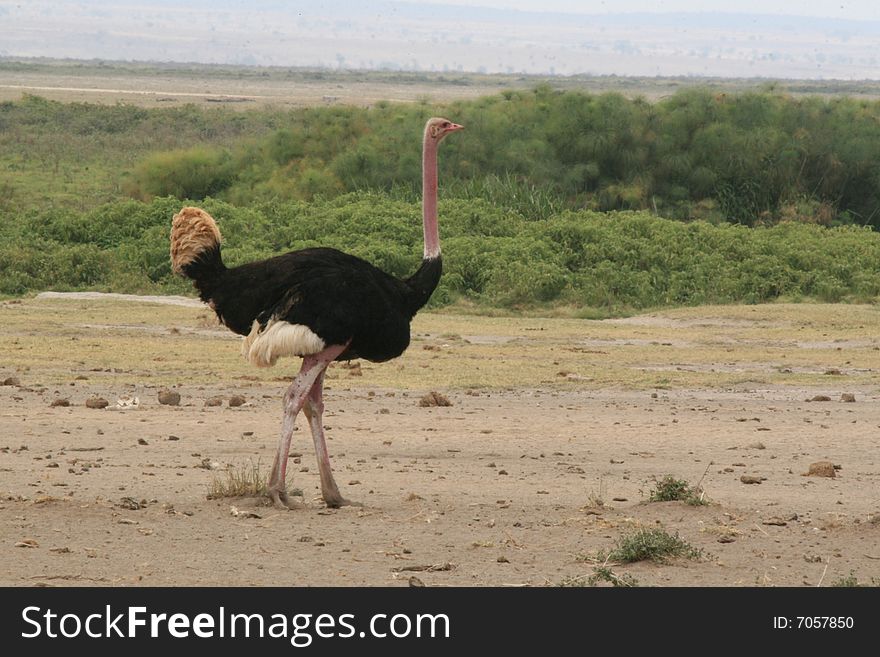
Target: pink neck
(429, 198)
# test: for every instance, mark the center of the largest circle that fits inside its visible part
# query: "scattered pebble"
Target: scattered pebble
(131, 504)
(434, 399)
(819, 398)
(502, 559)
(775, 521)
(415, 581)
(821, 469)
(11, 381)
(847, 397)
(59, 402)
(751, 479)
(169, 397)
(236, 400)
(28, 543)
(214, 401)
(97, 402)
(126, 402)
(431, 568)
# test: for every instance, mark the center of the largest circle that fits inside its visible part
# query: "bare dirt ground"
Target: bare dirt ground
(557, 432)
(235, 91)
(244, 88)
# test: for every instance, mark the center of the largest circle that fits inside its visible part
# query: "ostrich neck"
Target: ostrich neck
(429, 198)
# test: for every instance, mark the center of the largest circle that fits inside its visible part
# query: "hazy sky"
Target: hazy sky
(851, 9)
(746, 38)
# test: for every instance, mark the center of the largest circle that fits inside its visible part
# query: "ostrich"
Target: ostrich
(319, 303)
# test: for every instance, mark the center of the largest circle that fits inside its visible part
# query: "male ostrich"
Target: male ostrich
(320, 304)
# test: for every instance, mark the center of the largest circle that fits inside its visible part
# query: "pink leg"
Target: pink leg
(314, 410)
(312, 370)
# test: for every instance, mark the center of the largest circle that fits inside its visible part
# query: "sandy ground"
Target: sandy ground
(517, 484)
(238, 92)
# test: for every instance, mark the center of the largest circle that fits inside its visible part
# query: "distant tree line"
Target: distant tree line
(748, 158)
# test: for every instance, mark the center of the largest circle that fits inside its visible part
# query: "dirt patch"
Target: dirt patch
(522, 483)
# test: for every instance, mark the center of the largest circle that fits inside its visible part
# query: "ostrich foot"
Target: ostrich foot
(281, 500)
(336, 501)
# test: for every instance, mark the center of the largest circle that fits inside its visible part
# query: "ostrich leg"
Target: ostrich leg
(314, 410)
(312, 370)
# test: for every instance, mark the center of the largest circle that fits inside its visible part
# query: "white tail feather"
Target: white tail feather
(264, 347)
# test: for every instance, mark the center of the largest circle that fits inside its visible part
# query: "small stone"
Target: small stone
(821, 469)
(434, 399)
(141, 441)
(502, 472)
(847, 397)
(59, 402)
(751, 479)
(28, 543)
(169, 397)
(819, 398)
(214, 401)
(775, 521)
(415, 581)
(97, 402)
(502, 559)
(11, 381)
(236, 401)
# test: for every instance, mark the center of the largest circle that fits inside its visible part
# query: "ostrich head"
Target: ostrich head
(437, 128)
(193, 231)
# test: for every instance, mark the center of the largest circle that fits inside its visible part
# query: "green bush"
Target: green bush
(494, 257)
(190, 173)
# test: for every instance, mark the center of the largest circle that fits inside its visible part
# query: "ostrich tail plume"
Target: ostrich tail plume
(194, 236)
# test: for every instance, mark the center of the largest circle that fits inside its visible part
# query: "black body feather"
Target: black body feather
(338, 296)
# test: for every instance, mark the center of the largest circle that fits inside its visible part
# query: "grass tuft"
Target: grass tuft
(670, 489)
(242, 481)
(654, 545)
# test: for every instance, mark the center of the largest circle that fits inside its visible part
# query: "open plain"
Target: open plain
(557, 433)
